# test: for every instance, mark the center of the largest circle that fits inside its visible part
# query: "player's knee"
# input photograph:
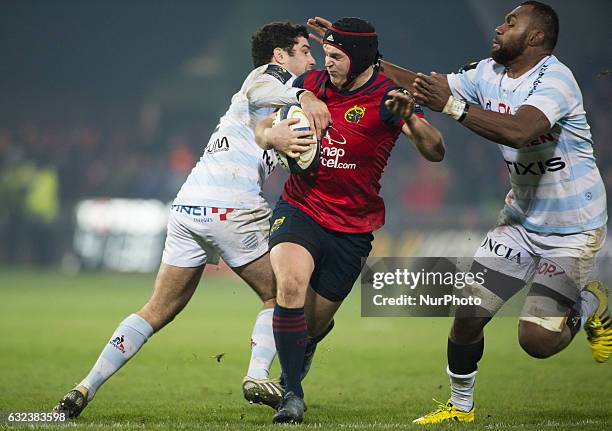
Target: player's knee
(159, 315)
(468, 330)
(537, 341)
(291, 287)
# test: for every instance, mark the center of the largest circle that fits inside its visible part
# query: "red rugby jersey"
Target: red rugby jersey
(343, 193)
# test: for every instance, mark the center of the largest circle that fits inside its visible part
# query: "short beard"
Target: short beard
(507, 54)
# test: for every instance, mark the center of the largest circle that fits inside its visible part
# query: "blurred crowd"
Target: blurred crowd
(45, 168)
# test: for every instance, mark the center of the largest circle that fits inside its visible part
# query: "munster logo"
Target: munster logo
(355, 114)
(277, 223)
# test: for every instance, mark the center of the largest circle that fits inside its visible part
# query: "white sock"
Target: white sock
(263, 347)
(127, 339)
(588, 304)
(462, 390)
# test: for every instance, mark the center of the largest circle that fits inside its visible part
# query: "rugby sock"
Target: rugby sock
(127, 339)
(263, 347)
(462, 367)
(291, 336)
(587, 304)
(311, 348)
(462, 390)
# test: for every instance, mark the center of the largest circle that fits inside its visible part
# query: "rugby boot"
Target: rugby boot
(290, 410)
(599, 326)
(263, 391)
(73, 402)
(445, 413)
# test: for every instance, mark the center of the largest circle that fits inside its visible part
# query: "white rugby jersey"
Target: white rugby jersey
(556, 186)
(231, 172)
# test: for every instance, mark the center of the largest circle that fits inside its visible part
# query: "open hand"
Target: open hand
(319, 26)
(432, 91)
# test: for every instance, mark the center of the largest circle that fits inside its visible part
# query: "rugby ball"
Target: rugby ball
(308, 160)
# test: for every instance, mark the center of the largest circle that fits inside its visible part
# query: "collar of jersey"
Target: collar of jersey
(357, 90)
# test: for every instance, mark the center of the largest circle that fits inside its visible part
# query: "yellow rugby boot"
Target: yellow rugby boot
(599, 326)
(445, 413)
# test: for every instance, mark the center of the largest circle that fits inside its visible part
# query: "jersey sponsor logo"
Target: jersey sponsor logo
(542, 139)
(331, 156)
(535, 168)
(200, 212)
(550, 269)
(188, 209)
(117, 342)
(501, 250)
(502, 107)
(218, 145)
(277, 223)
(355, 114)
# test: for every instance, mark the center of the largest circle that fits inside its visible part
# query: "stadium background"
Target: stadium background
(117, 100)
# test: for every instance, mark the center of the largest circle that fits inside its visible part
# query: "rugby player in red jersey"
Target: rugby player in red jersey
(322, 224)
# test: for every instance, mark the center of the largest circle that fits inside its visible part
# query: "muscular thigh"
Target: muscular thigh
(174, 287)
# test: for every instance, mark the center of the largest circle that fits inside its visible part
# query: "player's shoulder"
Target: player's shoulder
(384, 79)
(552, 73)
(555, 68)
(310, 79)
(277, 72)
(488, 66)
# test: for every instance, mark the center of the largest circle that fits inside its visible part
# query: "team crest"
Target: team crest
(279, 221)
(355, 114)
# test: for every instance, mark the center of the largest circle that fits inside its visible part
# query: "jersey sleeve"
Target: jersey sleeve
(463, 84)
(272, 89)
(388, 117)
(555, 93)
(300, 81)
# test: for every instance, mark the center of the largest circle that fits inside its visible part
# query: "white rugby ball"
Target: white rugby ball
(308, 160)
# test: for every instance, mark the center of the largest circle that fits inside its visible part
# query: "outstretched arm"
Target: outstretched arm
(423, 135)
(516, 131)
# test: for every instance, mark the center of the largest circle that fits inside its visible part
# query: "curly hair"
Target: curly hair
(274, 35)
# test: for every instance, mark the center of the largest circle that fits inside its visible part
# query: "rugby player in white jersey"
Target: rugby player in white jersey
(554, 219)
(220, 212)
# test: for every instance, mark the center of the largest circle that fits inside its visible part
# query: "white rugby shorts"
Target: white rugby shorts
(198, 235)
(562, 263)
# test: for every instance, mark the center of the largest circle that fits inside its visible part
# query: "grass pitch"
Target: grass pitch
(370, 373)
